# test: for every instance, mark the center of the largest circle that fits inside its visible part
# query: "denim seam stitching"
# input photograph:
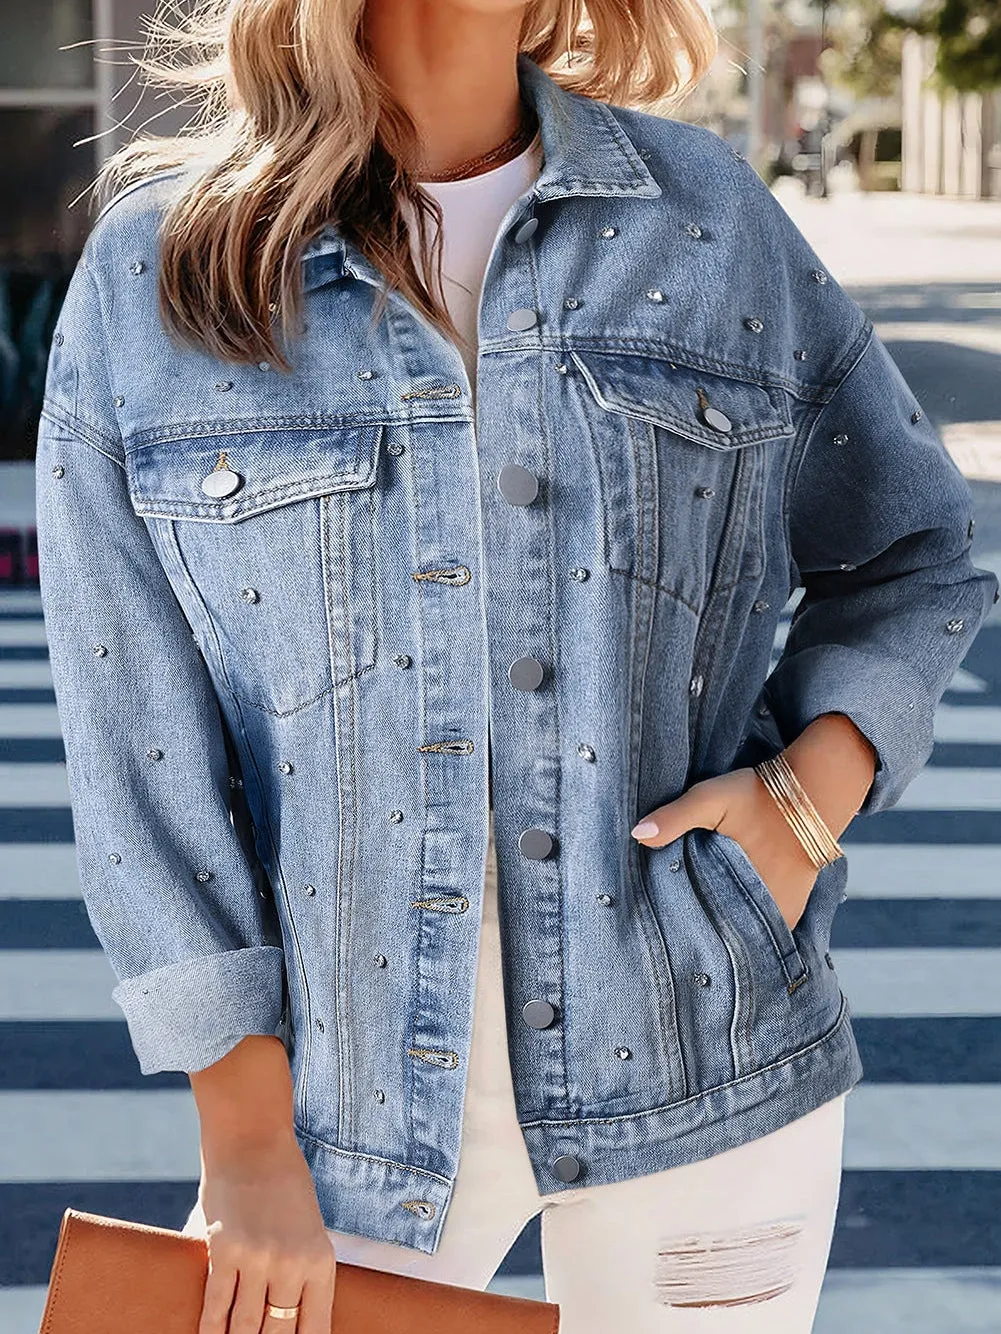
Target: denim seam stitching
(651, 347)
(81, 430)
(721, 851)
(375, 1158)
(790, 1057)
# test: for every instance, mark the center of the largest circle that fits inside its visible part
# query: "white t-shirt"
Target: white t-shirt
(472, 209)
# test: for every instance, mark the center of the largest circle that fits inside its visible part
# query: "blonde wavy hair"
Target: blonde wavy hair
(295, 129)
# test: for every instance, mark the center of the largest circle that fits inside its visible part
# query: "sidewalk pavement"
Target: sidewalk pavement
(938, 260)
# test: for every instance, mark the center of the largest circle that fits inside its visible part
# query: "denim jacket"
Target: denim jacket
(286, 613)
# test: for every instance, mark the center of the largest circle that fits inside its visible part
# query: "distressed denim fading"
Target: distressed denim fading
(277, 690)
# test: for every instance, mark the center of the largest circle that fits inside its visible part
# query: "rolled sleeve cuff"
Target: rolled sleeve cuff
(885, 700)
(186, 1015)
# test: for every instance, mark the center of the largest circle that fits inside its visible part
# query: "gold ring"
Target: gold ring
(282, 1312)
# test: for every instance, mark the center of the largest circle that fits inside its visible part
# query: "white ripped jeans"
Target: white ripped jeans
(734, 1244)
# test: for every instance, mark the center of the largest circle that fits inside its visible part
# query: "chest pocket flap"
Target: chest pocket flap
(711, 409)
(251, 470)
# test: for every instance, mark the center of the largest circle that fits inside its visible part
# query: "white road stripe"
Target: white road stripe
(875, 871)
(19, 599)
(28, 720)
(923, 870)
(152, 1135)
(77, 984)
(21, 1308)
(22, 632)
(892, 1301)
(937, 788)
(532, 1286)
(127, 1135)
(964, 681)
(56, 985)
(910, 1301)
(923, 1127)
(39, 871)
(33, 785)
(906, 982)
(29, 674)
(956, 722)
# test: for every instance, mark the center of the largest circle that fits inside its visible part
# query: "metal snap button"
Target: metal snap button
(719, 421)
(221, 482)
(526, 673)
(526, 230)
(566, 1167)
(538, 1013)
(522, 319)
(517, 485)
(535, 844)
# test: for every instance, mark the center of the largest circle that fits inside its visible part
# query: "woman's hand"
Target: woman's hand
(266, 1240)
(835, 763)
(739, 805)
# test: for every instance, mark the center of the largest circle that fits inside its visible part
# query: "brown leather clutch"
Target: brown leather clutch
(119, 1277)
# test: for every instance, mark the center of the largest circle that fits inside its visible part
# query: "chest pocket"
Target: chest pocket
(277, 565)
(684, 456)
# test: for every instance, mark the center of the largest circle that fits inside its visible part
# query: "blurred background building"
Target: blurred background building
(837, 92)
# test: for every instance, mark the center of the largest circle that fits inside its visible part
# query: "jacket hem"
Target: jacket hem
(617, 1148)
(378, 1198)
(375, 1197)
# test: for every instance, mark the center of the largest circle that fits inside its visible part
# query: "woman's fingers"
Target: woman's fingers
(248, 1309)
(701, 804)
(317, 1304)
(219, 1289)
(267, 1242)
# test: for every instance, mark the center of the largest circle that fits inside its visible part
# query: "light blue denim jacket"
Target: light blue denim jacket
(277, 687)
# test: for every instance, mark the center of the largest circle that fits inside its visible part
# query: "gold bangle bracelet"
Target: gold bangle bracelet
(792, 815)
(800, 813)
(807, 816)
(829, 844)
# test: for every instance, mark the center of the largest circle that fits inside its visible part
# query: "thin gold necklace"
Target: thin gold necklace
(504, 152)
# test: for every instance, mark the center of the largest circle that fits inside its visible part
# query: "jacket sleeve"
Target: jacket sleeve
(168, 884)
(880, 526)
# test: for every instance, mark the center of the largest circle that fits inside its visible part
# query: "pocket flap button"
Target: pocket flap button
(221, 482)
(719, 421)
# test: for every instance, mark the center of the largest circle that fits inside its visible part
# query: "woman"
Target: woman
(315, 528)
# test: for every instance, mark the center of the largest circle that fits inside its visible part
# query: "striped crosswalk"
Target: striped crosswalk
(917, 946)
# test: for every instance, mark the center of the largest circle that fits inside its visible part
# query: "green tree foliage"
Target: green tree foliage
(968, 33)
(865, 49)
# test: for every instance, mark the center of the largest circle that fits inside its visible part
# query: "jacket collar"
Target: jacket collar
(585, 152)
